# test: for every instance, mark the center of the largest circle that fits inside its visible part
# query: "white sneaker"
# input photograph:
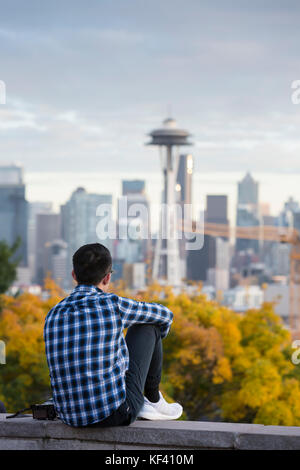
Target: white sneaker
(160, 410)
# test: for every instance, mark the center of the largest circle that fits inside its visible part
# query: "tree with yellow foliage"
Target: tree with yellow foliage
(228, 366)
(24, 379)
(263, 390)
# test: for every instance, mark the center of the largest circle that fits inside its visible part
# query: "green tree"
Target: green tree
(8, 266)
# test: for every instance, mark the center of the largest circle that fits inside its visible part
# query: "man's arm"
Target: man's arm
(132, 312)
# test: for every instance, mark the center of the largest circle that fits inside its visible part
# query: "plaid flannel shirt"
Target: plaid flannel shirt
(87, 353)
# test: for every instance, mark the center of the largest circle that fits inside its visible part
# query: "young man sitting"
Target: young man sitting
(97, 376)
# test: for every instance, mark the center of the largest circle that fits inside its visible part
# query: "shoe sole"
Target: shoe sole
(158, 417)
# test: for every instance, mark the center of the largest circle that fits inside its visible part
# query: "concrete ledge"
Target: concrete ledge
(26, 433)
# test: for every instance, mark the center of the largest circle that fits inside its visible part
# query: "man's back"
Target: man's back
(87, 353)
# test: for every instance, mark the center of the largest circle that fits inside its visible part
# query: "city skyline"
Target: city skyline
(57, 187)
(218, 262)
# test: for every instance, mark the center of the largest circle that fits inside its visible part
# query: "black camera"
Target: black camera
(43, 411)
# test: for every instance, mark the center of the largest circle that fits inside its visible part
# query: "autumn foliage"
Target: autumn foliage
(220, 365)
(24, 379)
(225, 366)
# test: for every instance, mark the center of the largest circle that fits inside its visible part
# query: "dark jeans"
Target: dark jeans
(145, 365)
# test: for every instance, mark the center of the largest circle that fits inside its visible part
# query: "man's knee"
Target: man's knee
(145, 328)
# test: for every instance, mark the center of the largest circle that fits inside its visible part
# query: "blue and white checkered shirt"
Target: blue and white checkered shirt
(87, 353)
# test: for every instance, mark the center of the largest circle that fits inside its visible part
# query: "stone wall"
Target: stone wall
(26, 433)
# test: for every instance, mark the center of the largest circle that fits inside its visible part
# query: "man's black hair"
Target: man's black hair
(91, 263)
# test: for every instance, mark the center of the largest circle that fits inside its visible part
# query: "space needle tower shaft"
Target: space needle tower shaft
(166, 265)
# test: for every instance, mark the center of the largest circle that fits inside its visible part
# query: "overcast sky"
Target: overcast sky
(86, 80)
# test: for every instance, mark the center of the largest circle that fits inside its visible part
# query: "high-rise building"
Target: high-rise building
(291, 205)
(216, 209)
(80, 221)
(247, 212)
(248, 191)
(13, 209)
(289, 216)
(80, 218)
(219, 262)
(278, 261)
(48, 228)
(34, 209)
(184, 178)
(11, 175)
(133, 187)
(273, 254)
(184, 197)
(199, 261)
(57, 254)
(134, 275)
(218, 275)
(296, 220)
(133, 220)
(134, 191)
(276, 256)
(211, 263)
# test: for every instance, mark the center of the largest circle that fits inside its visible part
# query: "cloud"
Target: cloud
(86, 83)
(14, 117)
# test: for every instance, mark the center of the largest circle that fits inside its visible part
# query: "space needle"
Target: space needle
(166, 266)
